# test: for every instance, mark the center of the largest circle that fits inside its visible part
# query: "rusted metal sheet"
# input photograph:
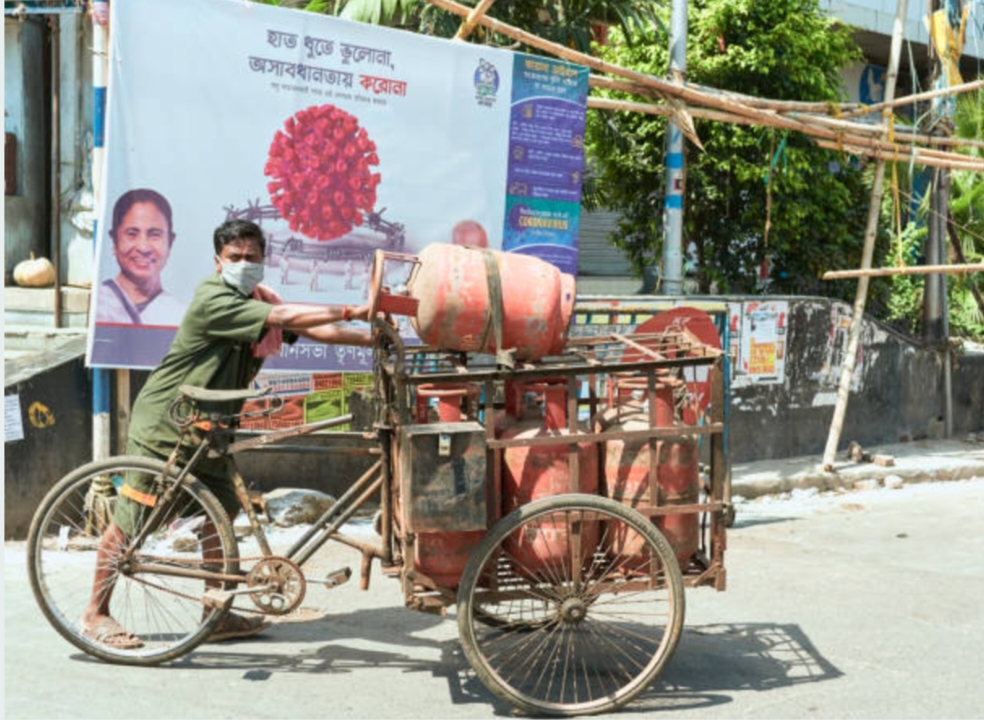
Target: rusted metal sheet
(443, 477)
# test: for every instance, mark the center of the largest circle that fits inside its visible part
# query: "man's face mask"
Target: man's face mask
(242, 275)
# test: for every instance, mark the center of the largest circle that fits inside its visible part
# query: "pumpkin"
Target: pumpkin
(36, 272)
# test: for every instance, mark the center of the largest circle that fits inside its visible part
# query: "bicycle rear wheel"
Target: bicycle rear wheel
(571, 605)
(163, 609)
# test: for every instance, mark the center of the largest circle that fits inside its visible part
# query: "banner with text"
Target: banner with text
(337, 138)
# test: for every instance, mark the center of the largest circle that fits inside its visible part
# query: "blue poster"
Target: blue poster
(546, 160)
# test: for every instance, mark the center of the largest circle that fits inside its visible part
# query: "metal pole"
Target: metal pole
(871, 230)
(936, 326)
(673, 202)
(101, 381)
(932, 290)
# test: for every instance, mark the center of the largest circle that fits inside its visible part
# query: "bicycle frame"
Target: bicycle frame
(324, 529)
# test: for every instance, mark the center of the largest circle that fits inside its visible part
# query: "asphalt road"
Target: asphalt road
(865, 604)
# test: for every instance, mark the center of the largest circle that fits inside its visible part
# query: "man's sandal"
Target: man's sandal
(233, 626)
(110, 633)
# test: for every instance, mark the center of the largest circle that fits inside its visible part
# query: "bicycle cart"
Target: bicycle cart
(561, 506)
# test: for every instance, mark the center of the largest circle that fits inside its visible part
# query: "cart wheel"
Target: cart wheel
(570, 605)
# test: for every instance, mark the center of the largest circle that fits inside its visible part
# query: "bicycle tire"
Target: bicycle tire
(572, 634)
(166, 612)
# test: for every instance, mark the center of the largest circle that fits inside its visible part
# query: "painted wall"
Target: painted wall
(54, 411)
(24, 116)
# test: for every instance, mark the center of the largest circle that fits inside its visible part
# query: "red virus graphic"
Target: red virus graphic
(319, 164)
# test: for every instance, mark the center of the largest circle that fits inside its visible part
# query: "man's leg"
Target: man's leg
(105, 577)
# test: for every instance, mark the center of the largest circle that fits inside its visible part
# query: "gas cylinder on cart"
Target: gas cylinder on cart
(532, 472)
(442, 556)
(627, 463)
(456, 287)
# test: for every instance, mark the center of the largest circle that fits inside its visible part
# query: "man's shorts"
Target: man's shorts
(137, 496)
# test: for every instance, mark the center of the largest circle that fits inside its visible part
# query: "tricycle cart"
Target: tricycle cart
(561, 505)
(540, 502)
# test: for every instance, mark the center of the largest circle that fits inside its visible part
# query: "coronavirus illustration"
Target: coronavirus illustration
(319, 169)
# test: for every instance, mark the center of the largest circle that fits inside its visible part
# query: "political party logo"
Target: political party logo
(486, 81)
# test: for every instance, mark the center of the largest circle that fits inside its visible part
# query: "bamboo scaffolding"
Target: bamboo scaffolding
(653, 109)
(468, 24)
(918, 97)
(777, 105)
(681, 93)
(902, 134)
(841, 142)
(905, 154)
(867, 253)
(914, 270)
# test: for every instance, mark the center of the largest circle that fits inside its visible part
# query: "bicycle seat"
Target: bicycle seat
(205, 395)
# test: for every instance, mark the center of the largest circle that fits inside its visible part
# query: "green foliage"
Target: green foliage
(567, 22)
(967, 213)
(782, 49)
(381, 12)
(904, 306)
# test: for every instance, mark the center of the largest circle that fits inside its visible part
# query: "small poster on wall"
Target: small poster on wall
(762, 342)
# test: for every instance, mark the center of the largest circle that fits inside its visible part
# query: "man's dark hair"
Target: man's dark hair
(232, 230)
(141, 195)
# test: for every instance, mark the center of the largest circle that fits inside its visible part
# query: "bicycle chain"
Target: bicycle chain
(197, 598)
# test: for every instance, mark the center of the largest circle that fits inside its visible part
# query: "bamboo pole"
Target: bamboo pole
(903, 135)
(909, 99)
(468, 24)
(914, 270)
(653, 109)
(778, 105)
(872, 147)
(871, 230)
(906, 154)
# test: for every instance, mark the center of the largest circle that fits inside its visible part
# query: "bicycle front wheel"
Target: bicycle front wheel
(153, 593)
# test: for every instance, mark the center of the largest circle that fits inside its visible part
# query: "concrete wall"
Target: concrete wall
(24, 115)
(897, 394)
(897, 390)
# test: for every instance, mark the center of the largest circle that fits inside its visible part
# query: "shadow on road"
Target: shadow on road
(713, 661)
(710, 664)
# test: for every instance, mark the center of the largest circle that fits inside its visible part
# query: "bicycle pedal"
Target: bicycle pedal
(336, 578)
(218, 599)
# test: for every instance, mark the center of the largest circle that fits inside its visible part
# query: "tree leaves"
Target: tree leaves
(782, 49)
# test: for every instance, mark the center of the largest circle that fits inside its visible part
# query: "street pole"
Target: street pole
(936, 328)
(870, 233)
(101, 426)
(673, 201)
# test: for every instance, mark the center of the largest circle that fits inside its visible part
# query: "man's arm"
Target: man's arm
(338, 334)
(300, 318)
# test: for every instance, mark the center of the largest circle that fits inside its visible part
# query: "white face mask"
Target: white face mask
(244, 276)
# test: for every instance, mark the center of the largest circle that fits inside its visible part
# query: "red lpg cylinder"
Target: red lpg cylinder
(678, 474)
(442, 556)
(539, 471)
(449, 397)
(454, 312)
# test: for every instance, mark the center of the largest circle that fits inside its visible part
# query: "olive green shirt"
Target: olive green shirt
(212, 349)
